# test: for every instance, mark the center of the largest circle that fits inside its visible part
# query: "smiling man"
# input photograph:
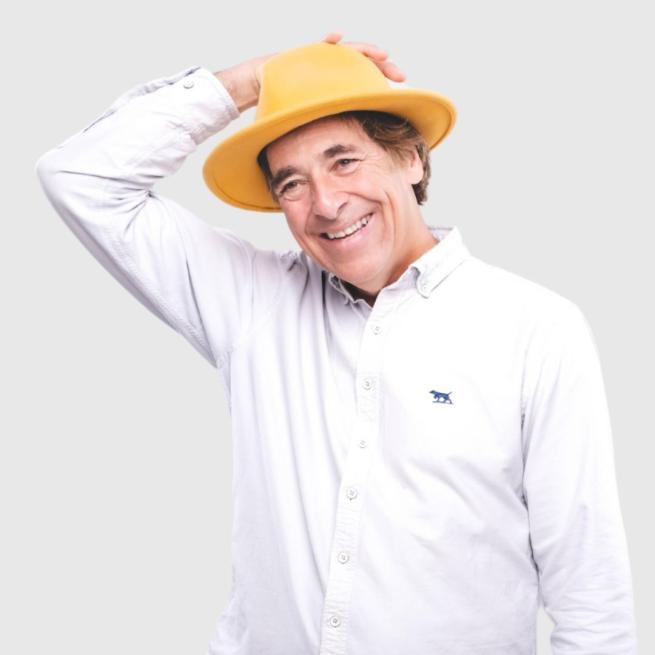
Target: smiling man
(422, 447)
(348, 203)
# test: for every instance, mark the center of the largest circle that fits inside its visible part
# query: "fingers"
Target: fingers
(333, 37)
(376, 54)
(368, 49)
(392, 71)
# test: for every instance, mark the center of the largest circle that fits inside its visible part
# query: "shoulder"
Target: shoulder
(519, 296)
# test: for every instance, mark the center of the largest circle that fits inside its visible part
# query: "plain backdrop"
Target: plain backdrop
(115, 469)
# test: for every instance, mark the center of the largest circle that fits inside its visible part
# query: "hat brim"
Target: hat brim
(231, 171)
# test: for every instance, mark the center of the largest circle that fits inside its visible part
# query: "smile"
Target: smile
(356, 227)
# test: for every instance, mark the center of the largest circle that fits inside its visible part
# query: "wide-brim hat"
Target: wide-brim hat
(299, 86)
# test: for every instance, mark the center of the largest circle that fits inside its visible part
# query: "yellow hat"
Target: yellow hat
(299, 86)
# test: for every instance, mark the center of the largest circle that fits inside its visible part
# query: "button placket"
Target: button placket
(352, 495)
(335, 621)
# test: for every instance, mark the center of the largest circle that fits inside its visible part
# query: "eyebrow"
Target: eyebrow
(329, 153)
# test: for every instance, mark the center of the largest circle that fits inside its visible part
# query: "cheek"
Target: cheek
(377, 185)
(296, 222)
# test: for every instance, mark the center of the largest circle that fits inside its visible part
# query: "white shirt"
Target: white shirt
(412, 477)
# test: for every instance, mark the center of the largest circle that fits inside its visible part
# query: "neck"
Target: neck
(370, 297)
(360, 293)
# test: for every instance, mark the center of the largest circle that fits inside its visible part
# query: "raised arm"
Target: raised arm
(204, 281)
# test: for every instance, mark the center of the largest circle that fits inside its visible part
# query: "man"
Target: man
(422, 445)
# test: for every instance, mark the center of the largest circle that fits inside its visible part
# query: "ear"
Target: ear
(414, 169)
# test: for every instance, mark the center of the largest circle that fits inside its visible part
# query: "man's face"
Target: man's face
(339, 176)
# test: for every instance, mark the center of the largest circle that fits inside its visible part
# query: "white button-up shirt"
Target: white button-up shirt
(412, 477)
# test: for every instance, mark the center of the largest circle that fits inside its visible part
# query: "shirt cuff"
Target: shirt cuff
(209, 105)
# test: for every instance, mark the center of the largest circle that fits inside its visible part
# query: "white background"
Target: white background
(115, 468)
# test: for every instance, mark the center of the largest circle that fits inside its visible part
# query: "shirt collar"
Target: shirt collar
(426, 272)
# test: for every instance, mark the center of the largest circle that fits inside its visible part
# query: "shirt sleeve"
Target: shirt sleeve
(576, 527)
(206, 282)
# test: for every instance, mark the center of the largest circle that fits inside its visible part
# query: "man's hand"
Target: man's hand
(377, 55)
(244, 80)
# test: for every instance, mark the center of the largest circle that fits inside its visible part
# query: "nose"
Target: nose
(327, 199)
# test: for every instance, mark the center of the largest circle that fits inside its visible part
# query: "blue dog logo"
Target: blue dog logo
(441, 397)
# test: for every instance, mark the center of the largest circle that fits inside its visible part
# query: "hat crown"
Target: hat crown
(320, 72)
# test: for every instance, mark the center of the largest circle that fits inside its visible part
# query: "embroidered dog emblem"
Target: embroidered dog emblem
(441, 397)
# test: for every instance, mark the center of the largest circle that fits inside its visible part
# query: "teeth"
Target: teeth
(349, 230)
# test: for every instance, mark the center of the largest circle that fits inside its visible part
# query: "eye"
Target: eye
(288, 186)
(292, 190)
(348, 161)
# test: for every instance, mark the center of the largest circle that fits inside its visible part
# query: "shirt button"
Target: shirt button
(362, 443)
(335, 621)
(343, 557)
(368, 383)
(376, 329)
(351, 492)
(187, 84)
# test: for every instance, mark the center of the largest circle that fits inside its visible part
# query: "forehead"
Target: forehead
(315, 137)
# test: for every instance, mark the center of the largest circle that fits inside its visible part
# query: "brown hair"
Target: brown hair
(396, 135)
